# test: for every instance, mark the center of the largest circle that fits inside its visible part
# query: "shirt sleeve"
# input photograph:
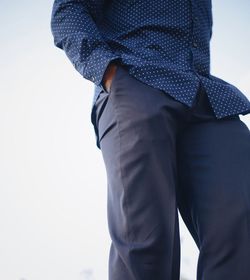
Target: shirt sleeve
(74, 29)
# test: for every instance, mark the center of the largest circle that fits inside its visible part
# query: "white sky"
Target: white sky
(52, 177)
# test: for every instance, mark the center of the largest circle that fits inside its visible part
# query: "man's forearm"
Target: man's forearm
(75, 31)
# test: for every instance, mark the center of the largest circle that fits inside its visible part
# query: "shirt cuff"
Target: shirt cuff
(97, 64)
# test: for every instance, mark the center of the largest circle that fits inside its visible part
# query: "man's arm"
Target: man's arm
(73, 26)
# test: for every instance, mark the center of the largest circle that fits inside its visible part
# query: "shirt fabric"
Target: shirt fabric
(163, 43)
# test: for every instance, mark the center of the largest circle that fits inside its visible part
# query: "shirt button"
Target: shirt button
(195, 44)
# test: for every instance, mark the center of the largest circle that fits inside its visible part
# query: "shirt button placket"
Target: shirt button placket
(194, 24)
(194, 43)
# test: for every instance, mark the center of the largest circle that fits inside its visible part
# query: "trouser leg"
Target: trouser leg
(214, 195)
(137, 128)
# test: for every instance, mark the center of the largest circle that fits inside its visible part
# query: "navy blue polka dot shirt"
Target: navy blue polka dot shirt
(163, 43)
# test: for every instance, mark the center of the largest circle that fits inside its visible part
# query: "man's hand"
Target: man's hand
(108, 76)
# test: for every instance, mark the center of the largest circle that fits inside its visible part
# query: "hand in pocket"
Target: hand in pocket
(108, 76)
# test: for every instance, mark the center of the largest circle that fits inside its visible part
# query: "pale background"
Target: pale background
(53, 222)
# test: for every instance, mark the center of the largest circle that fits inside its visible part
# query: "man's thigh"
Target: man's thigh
(214, 195)
(137, 132)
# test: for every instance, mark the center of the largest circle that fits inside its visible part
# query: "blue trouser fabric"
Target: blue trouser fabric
(160, 156)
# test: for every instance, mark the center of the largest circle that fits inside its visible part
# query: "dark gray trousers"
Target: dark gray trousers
(160, 156)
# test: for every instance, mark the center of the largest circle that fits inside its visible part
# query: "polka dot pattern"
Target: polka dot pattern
(165, 45)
